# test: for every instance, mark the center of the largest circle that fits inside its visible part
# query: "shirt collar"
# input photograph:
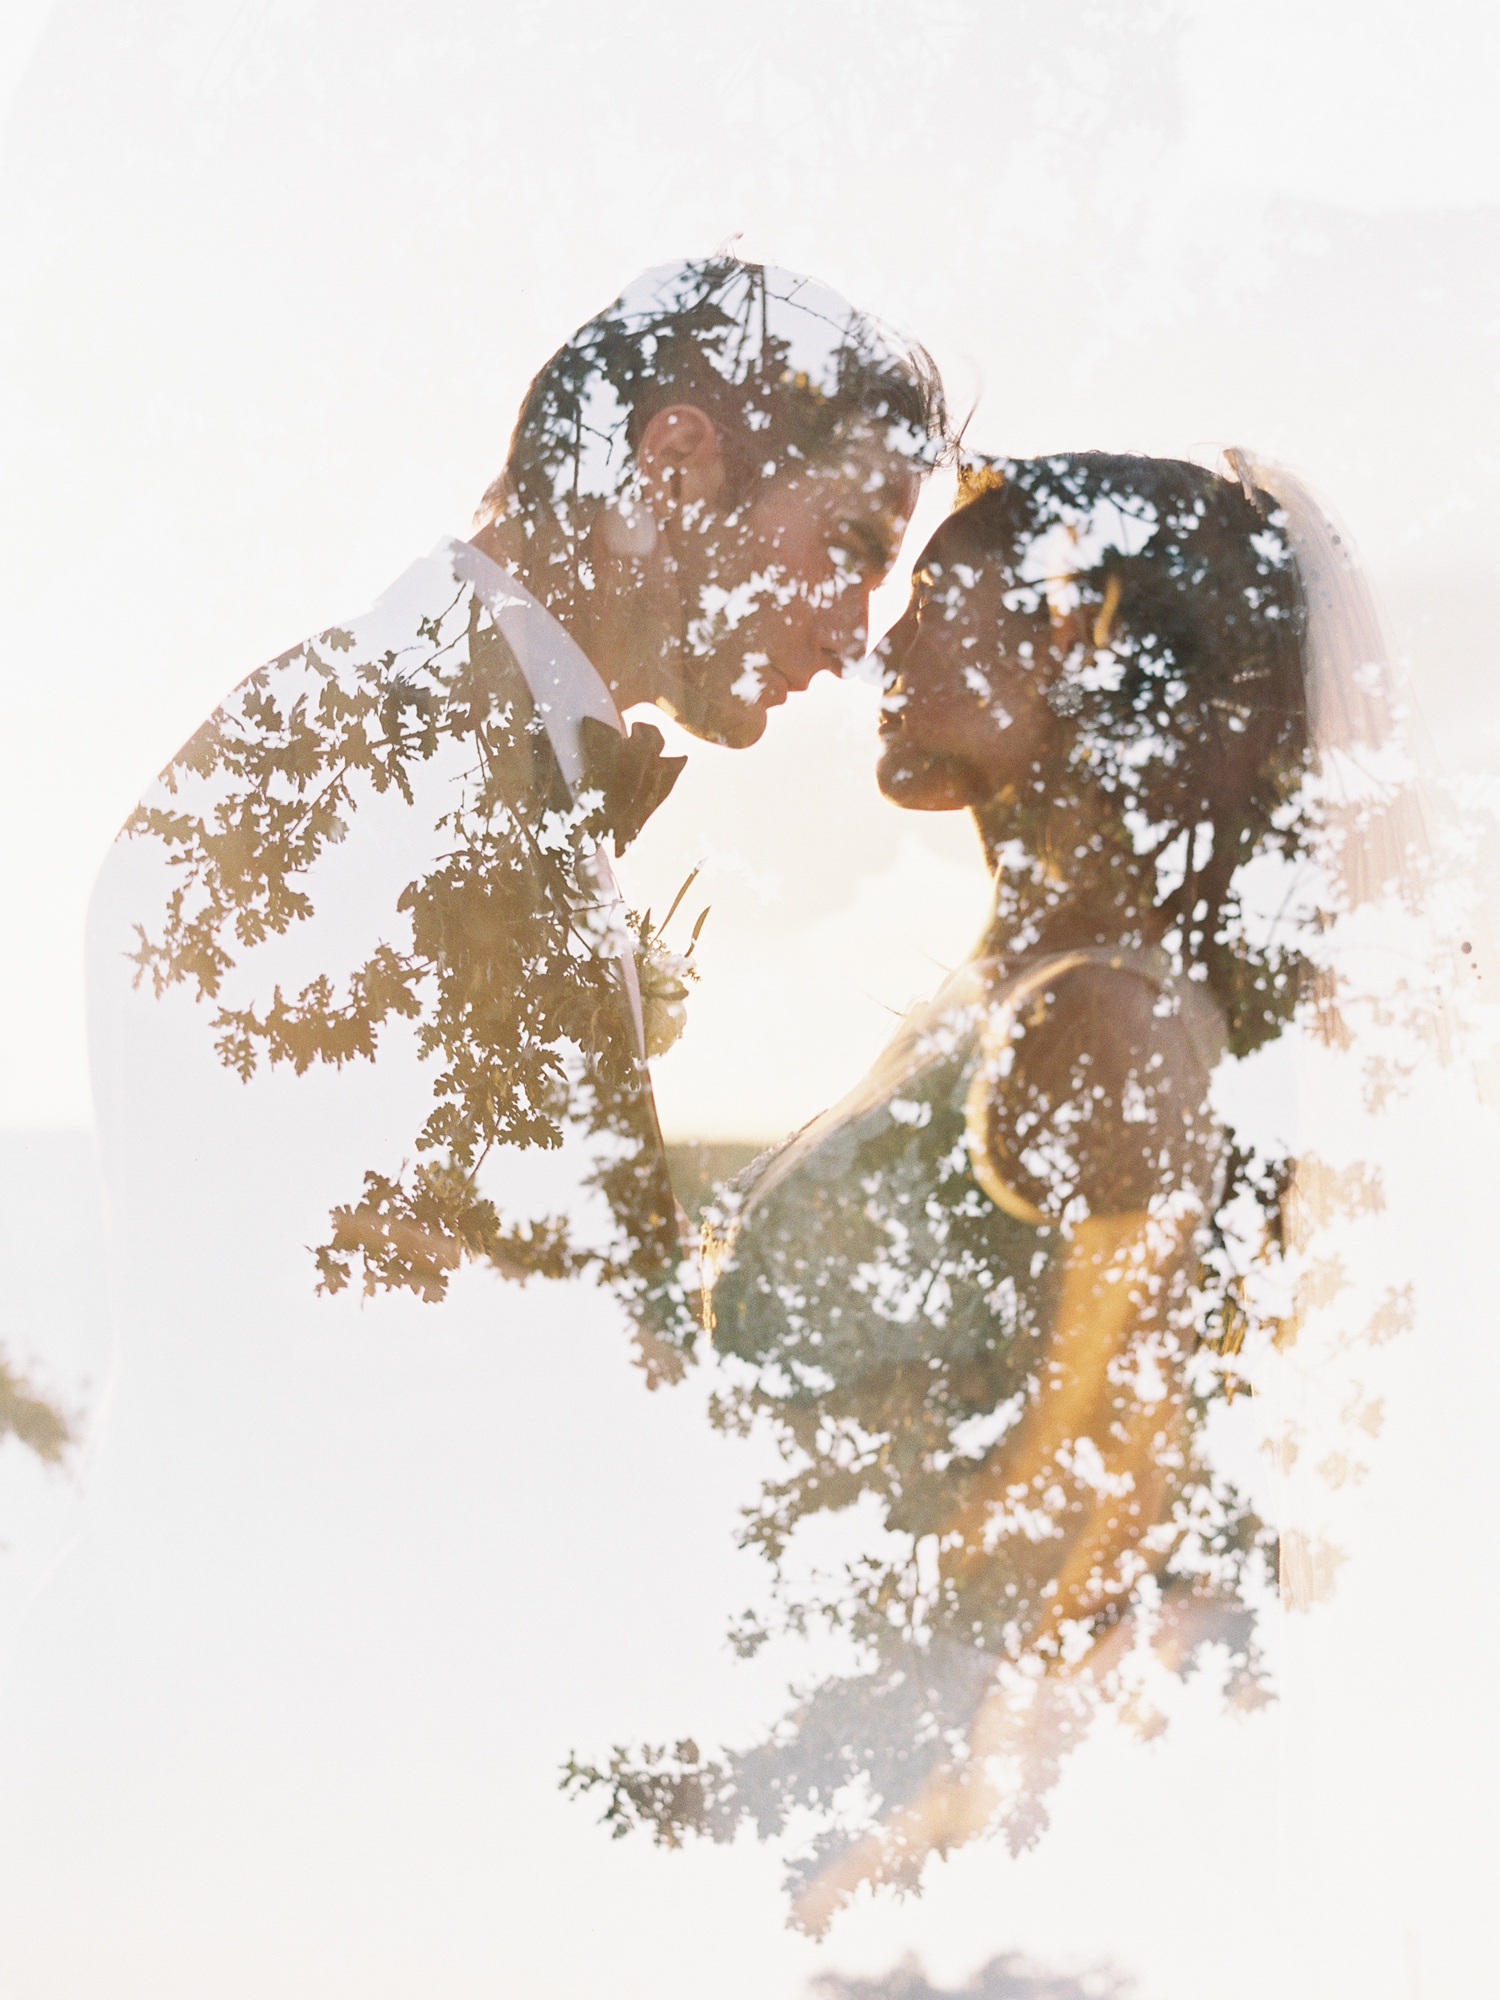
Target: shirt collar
(565, 684)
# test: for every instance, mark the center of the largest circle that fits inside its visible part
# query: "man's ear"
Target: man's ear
(680, 456)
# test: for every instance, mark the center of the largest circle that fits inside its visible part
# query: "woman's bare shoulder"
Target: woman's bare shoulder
(1096, 1102)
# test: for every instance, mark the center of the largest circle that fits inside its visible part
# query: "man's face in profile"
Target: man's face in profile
(782, 587)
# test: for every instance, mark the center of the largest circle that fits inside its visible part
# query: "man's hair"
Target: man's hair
(784, 368)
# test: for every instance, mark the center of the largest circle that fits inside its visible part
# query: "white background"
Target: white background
(275, 277)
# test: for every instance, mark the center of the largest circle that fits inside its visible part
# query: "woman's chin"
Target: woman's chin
(923, 780)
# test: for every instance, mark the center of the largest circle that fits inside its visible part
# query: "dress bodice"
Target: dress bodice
(883, 1237)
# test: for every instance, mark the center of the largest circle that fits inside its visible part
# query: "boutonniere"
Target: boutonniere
(629, 772)
(664, 974)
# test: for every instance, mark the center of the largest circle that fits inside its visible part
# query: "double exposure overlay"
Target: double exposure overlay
(1010, 1410)
(989, 1303)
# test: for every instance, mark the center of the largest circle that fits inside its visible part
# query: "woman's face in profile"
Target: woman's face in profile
(963, 714)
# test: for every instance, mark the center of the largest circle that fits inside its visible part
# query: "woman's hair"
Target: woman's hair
(783, 367)
(1177, 628)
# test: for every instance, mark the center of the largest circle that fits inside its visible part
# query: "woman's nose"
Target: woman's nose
(892, 653)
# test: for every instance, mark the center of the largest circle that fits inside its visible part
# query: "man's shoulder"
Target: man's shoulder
(378, 691)
(349, 752)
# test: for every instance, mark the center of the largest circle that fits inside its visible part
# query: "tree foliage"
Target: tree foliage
(502, 954)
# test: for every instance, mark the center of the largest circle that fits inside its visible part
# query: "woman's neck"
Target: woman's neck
(1059, 893)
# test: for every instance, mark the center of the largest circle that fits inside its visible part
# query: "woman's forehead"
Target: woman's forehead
(1043, 542)
(960, 562)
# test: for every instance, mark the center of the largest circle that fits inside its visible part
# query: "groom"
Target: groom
(391, 841)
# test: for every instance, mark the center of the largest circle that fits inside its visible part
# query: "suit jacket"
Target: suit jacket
(382, 856)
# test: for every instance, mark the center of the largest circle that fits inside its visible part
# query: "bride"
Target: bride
(989, 1301)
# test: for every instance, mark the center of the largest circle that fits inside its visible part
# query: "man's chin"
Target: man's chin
(723, 719)
(733, 727)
